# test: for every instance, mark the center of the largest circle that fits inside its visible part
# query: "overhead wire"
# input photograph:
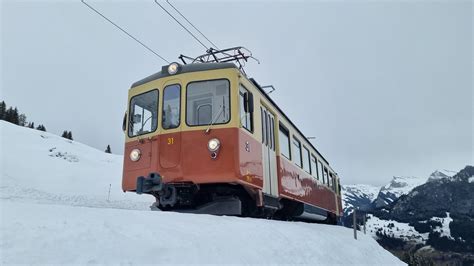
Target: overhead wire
(124, 31)
(190, 23)
(184, 27)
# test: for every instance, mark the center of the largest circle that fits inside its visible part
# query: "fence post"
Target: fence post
(108, 196)
(354, 223)
(365, 217)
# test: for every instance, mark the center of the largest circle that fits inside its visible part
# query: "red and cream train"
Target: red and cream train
(204, 138)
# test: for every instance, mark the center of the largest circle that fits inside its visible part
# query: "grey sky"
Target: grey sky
(385, 87)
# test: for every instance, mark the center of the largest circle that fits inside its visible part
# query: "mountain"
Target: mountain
(438, 197)
(55, 208)
(398, 186)
(434, 221)
(440, 174)
(359, 196)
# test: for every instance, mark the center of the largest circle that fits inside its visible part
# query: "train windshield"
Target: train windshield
(207, 102)
(143, 113)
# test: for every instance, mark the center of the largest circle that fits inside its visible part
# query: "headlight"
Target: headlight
(213, 145)
(173, 68)
(135, 155)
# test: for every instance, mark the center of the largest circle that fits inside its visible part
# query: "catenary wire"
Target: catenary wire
(215, 46)
(124, 31)
(177, 21)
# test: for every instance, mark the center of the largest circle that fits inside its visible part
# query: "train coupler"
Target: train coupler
(152, 183)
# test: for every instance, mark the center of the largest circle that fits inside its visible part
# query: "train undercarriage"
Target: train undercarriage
(227, 199)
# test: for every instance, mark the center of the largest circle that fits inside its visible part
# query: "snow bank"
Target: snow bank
(79, 235)
(42, 167)
(54, 210)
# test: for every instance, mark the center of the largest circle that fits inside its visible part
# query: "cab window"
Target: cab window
(143, 117)
(208, 102)
(171, 106)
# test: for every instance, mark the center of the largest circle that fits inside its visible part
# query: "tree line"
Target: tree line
(12, 115)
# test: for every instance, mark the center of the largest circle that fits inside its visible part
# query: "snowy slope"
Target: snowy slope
(407, 232)
(54, 210)
(399, 185)
(42, 167)
(360, 196)
(78, 235)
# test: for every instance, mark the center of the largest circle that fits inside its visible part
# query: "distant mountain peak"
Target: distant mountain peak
(398, 186)
(440, 174)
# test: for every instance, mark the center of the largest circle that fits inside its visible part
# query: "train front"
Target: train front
(181, 131)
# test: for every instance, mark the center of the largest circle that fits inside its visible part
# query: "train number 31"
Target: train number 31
(170, 141)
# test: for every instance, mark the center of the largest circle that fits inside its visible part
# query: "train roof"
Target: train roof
(213, 66)
(185, 69)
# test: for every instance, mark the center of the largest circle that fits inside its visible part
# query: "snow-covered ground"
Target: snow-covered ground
(394, 229)
(54, 210)
(405, 231)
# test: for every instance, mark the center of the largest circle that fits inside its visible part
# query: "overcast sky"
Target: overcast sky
(385, 87)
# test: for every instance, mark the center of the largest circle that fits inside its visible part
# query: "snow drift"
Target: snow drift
(54, 209)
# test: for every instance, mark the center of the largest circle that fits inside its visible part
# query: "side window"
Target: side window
(264, 132)
(320, 171)
(325, 176)
(297, 151)
(331, 181)
(284, 141)
(306, 165)
(246, 118)
(314, 170)
(171, 106)
(271, 137)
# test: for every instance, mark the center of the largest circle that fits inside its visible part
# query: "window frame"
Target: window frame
(315, 174)
(300, 148)
(130, 112)
(326, 180)
(250, 114)
(285, 129)
(308, 153)
(163, 105)
(230, 102)
(320, 171)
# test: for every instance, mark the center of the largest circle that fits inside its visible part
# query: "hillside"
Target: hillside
(55, 211)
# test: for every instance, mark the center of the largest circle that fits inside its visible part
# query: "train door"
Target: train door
(270, 184)
(170, 139)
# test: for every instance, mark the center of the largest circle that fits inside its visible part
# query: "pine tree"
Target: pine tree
(31, 125)
(15, 117)
(69, 135)
(64, 135)
(3, 110)
(9, 115)
(22, 120)
(41, 128)
(108, 150)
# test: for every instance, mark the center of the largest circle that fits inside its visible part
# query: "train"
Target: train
(203, 137)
